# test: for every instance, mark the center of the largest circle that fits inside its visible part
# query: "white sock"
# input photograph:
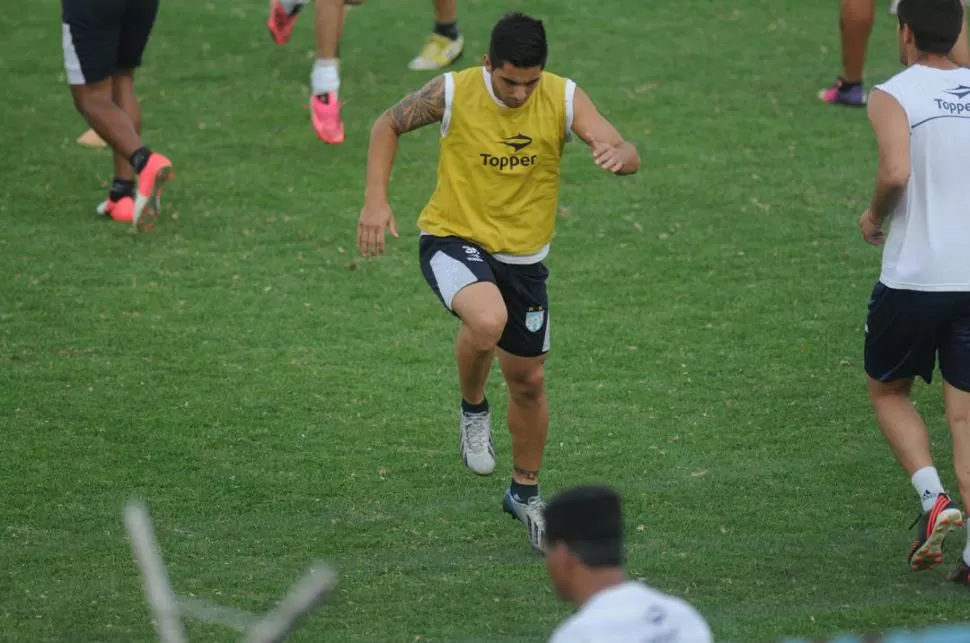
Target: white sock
(927, 483)
(325, 77)
(290, 5)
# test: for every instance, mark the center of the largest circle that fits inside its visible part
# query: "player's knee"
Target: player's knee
(528, 386)
(958, 417)
(882, 391)
(487, 327)
(81, 104)
(87, 103)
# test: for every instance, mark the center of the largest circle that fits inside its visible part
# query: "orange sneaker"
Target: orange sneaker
(281, 22)
(148, 196)
(121, 210)
(325, 116)
(934, 526)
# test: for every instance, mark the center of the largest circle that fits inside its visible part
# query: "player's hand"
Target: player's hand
(871, 231)
(374, 219)
(607, 156)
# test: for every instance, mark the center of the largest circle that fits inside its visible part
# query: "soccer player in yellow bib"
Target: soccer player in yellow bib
(488, 226)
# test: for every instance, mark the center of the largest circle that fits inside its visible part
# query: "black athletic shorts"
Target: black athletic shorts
(906, 330)
(449, 264)
(102, 37)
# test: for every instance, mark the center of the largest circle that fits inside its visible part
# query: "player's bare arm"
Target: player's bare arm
(891, 128)
(417, 109)
(610, 151)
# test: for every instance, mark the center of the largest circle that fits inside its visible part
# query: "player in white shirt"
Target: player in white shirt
(856, 20)
(920, 307)
(442, 48)
(584, 556)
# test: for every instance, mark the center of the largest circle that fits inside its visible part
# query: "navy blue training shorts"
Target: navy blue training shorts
(103, 37)
(908, 330)
(449, 264)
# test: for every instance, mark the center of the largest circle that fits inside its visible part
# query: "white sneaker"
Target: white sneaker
(532, 515)
(475, 442)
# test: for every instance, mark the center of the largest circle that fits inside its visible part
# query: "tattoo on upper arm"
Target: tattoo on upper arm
(419, 108)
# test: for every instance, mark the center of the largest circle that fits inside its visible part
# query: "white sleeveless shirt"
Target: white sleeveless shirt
(928, 243)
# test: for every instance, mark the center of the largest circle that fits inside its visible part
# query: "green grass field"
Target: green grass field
(275, 399)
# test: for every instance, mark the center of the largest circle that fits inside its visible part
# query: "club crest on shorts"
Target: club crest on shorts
(534, 319)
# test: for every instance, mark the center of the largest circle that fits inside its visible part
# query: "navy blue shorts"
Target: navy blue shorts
(103, 37)
(907, 330)
(449, 264)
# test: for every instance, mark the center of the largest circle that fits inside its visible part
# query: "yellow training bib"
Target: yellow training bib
(498, 167)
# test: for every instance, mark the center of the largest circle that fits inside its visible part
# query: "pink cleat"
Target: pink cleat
(325, 116)
(839, 93)
(121, 210)
(281, 22)
(148, 196)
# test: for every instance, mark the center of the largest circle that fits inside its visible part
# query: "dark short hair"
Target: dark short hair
(936, 24)
(519, 40)
(589, 521)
